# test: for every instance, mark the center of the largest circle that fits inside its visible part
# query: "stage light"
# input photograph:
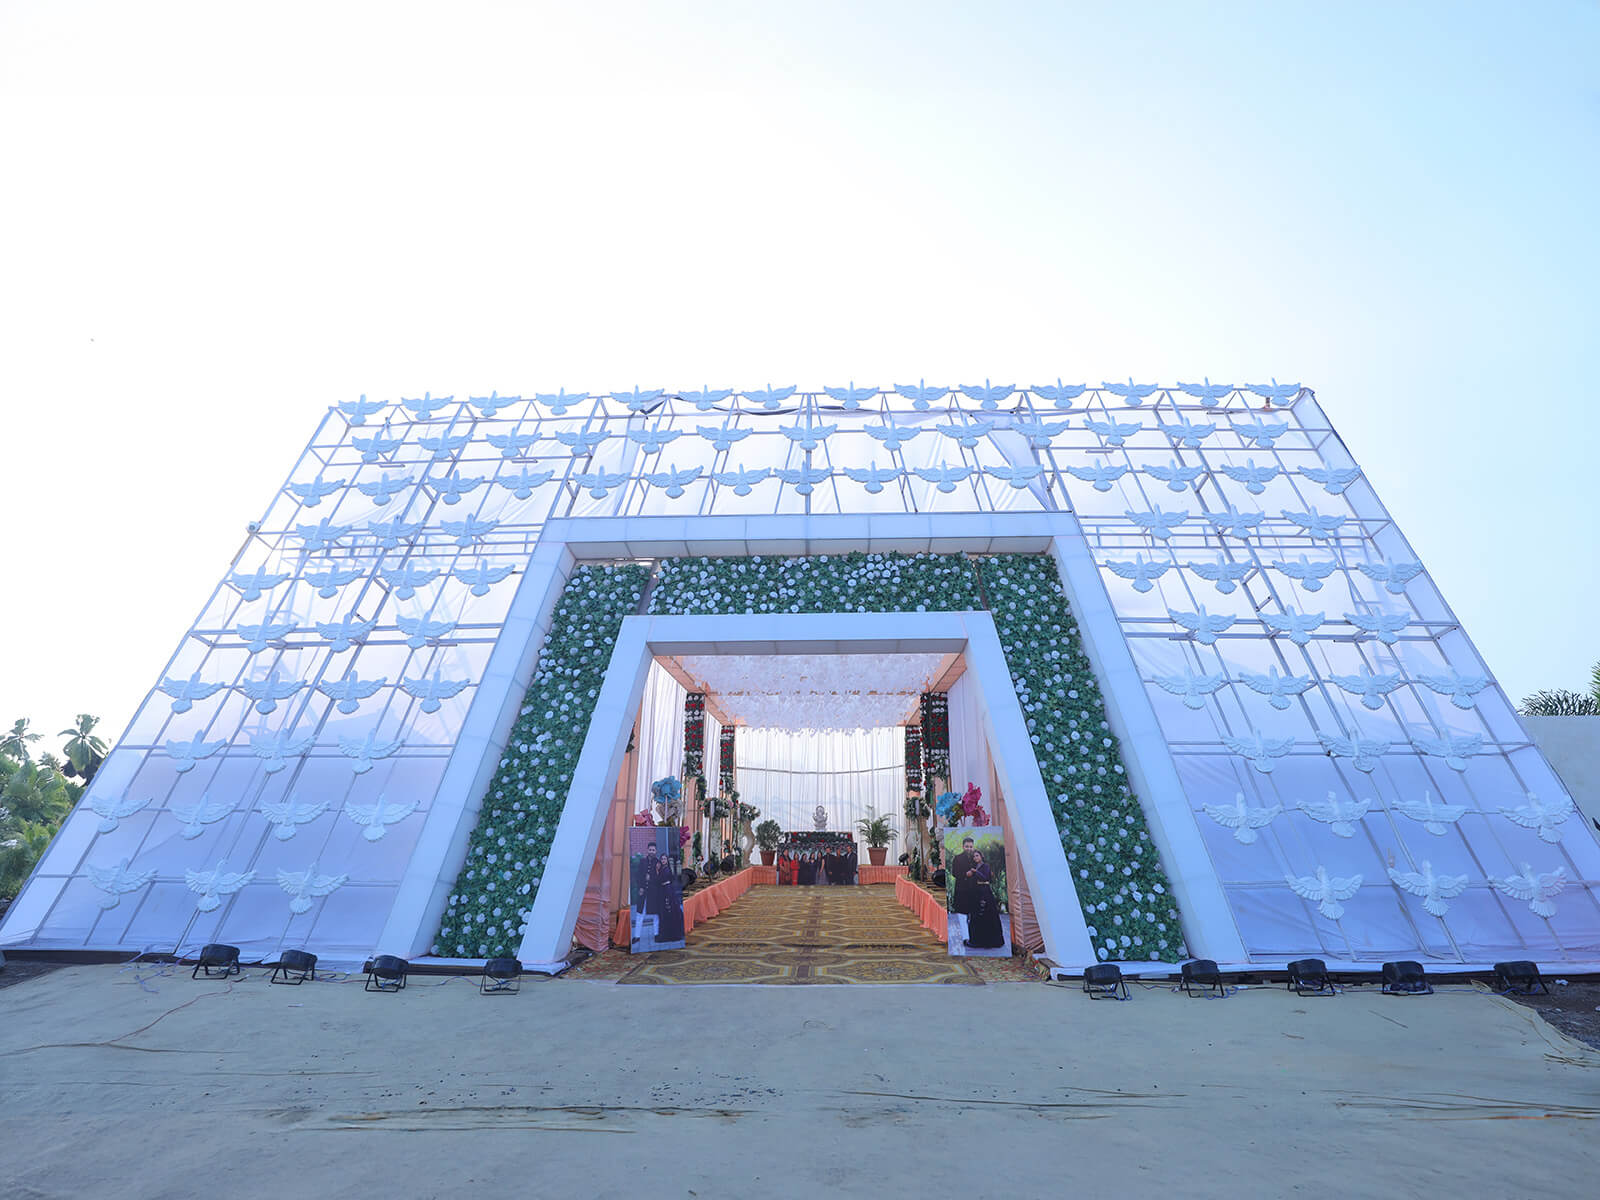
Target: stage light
(1405, 978)
(386, 973)
(294, 966)
(1309, 977)
(216, 960)
(687, 876)
(500, 975)
(728, 864)
(939, 878)
(1520, 977)
(1201, 973)
(710, 867)
(1104, 979)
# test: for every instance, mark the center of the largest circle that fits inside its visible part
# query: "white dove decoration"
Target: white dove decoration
(742, 481)
(1462, 689)
(391, 533)
(1259, 750)
(1059, 394)
(430, 689)
(427, 406)
(1193, 689)
(987, 396)
(1338, 813)
(323, 535)
(521, 484)
(1544, 819)
(384, 488)
(1314, 523)
(1235, 523)
(481, 578)
(770, 398)
(330, 581)
(286, 816)
(892, 436)
(1132, 394)
(1224, 573)
(1039, 433)
(559, 402)
(443, 446)
(117, 881)
(581, 441)
(1018, 477)
(259, 636)
(1207, 392)
(311, 494)
(807, 437)
(346, 631)
(599, 483)
(651, 441)
(1327, 890)
(674, 479)
(1158, 523)
(639, 399)
(1394, 576)
(195, 817)
(305, 886)
(378, 817)
(420, 631)
(256, 584)
(365, 751)
(1254, 478)
(376, 447)
(1530, 886)
(1306, 573)
(1433, 889)
(1101, 477)
(1241, 818)
(1188, 433)
(722, 437)
(1384, 626)
(112, 809)
(1203, 626)
(944, 475)
(468, 531)
(1371, 688)
(277, 750)
(216, 883)
(1299, 626)
(491, 404)
(1141, 572)
(851, 397)
(1363, 753)
(1334, 480)
(512, 445)
(965, 433)
(802, 479)
(1175, 475)
(453, 486)
(1277, 688)
(185, 692)
(873, 477)
(1275, 392)
(357, 411)
(1436, 816)
(707, 398)
(407, 579)
(267, 692)
(190, 752)
(1262, 434)
(1454, 749)
(1112, 433)
(351, 690)
(921, 395)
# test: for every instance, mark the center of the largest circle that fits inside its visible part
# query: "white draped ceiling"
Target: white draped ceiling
(815, 691)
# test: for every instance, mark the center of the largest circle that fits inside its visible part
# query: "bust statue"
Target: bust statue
(820, 818)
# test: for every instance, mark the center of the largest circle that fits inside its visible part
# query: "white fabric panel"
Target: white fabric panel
(786, 775)
(969, 749)
(659, 741)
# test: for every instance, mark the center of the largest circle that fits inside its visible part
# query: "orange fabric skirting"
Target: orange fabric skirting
(699, 907)
(926, 906)
(867, 873)
(763, 875)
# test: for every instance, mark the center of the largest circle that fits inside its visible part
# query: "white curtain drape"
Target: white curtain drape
(660, 738)
(969, 749)
(786, 775)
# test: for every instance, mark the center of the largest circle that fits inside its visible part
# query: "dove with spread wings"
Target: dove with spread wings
(444, 445)
(1454, 749)
(431, 689)
(267, 692)
(305, 886)
(490, 405)
(1040, 433)
(346, 631)
(1462, 689)
(276, 751)
(640, 399)
(1112, 433)
(1241, 818)
(391, 533)
(965, 433)
(1191, 688)
(112, 809)
(512, 445)
(850, 397)
(311, 494)
(808, 437)
(427, 406)
(674, 479)
(521, 484)
(1394, 576)
(1371, 688)
(873, 477)
(1299, 626)
(364, 751)
(330, 581)
(1277, 688)
(1259, 749)
(742, 480)
(286, 816)
(377, 817)
(921, 395)
(216, 883)
(351, 690)
(377, 446)
(1433, 889)
(1224, 573)
(559, 402)
(1059, 394)
(1254, 478)
(1132, 394)
(186, 691)
(706, 398)
(1157, 523)
(722, 437)
(1101, 477)
(357, 411)
(653, 441)
(385, 487)
(1018, 477)
(805, 479)
(1535, 887)
(1188, 433)
(944, 475)
(190, 752)
(988, 395)
(1306, 573)
(1140, 571)
(1543, 817)
(1435, 815)
(1207, 392)
(1202, 625)
(197, 815)
(1363, 753)
(1338, 813)
(1175, 475)
(255, 584)
(480, 578)
(1334, 480)
(469, 531)
(1327, 890)
(116, 882)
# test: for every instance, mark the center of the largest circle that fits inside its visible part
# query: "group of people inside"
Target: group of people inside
(830, 863)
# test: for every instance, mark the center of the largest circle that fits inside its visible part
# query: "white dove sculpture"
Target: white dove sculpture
(346, 631)
(379, 816)
(808, 437)
(1435, 815)
(324, 535)
(1385, 626)
(255, 584)
(1543, 817)
(1142, 572)
(405, 580)
(1394, 576)
(965, 433)
(722, 437)
(1241, 818)
(216, 883)
(431, 689)
(351, 690)
(921, 395)
(116, 882)
(1235, 523)
(1277, 688)
(1299, 626)
(1100, 476)
(311, 494)
(1454, 749)
(391, 533)
(1175, 475)
(1338, 813)
(385, 487)
(1039, 433)
(185, 692)
(276, 750)
(802, 479)
(377, 446)
(1018, 477)
(512, 445)
(1224, 573)
(944, 475)
(1260, 750)
(330, 581)
(490, 405)
(521, 484)
(892, 436)
(1371, 688)
(1275, 392)
(365, 751)
(1262, 434)
(420, 631)
(873, 477)
(444, 445)
(1188, 433)
(450, 488)
(674, 479)
(1208, 393)
(988, 395)
(1334, 480)
(286, 816)
(1202, 625)
(469, 531)
(639, 399)
(196, 816)
(581, 441)
(480, 578)
(770, 397)
(1434, 889)
(1059, 394)
(1157, 522)
(259, 636)
(427, 406)
(1327, 890)
(707, 398)
(1535, 887)
(559, 402)
(1112, 433)
(112, 809)
(1317, 524)
(653, 441)
(1132, 394)
(267, 692)
(1191, 688)
(1363, 753)
(599, 483)
(1462, 689)
(1305, 572)
(305, 886)
(742, 480)
(357, 411)
(190, 752)
(1254, 478)
(851, 397)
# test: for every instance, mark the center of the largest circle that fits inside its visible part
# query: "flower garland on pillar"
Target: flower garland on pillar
(694, 734)
(914, 758)
(725, 761)
(935, 736)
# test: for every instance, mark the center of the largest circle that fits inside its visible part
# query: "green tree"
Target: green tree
(34, 800)
(1560, 702)
(15, 743)
(85, 751)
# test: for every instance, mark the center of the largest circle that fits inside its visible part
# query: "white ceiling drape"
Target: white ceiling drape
(787, 774)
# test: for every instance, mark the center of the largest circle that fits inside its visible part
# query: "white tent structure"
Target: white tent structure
(1228, 710)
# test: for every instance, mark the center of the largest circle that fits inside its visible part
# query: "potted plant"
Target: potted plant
(877, 833)
(767, 835)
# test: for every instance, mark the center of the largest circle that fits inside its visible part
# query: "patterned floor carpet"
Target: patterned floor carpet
(805, 935)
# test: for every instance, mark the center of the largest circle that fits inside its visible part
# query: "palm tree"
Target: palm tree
(16, 742)
(84, 750)
(1559, 702)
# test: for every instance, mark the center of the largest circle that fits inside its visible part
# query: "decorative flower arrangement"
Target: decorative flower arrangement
(725, 761)
(913, 758)
(666, 793)
(949, 806)
(694, 734)
(644, 817)
(965, 809)
(935, 735)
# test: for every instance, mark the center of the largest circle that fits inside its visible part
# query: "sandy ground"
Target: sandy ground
(579, 1089)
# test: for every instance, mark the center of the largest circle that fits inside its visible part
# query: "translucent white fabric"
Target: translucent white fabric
(659, 739)
(786, 775)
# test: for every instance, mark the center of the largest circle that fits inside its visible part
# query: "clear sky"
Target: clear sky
(217, 220)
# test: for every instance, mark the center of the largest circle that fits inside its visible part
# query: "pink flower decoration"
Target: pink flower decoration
(644, 817)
